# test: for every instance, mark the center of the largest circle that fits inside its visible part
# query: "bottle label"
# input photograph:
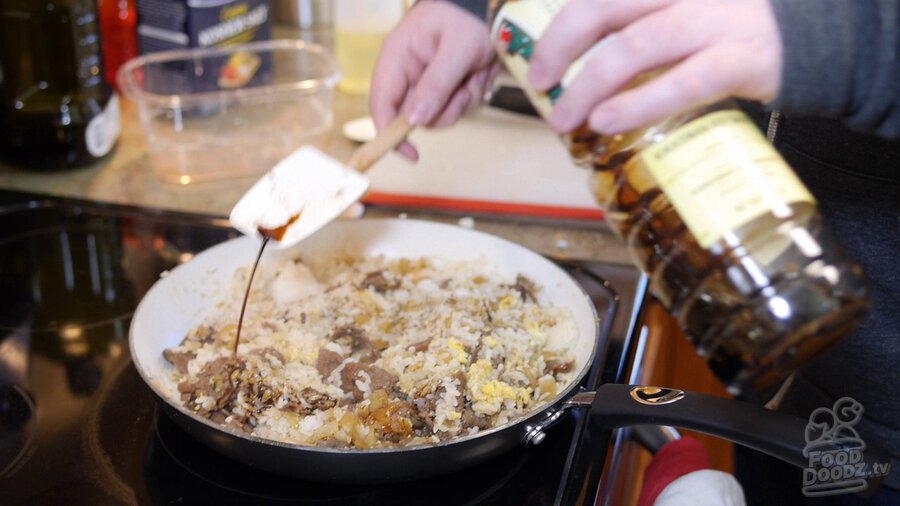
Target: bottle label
(720, 173)
(516, 28)
(103, 130)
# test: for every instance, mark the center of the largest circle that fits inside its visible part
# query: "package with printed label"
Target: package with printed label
(165, 25)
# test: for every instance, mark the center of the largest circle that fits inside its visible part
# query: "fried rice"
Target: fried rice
(374, 352)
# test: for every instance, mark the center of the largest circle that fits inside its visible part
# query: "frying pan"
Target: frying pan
(181, 299)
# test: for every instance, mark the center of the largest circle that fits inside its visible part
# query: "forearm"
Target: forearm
(841, 60)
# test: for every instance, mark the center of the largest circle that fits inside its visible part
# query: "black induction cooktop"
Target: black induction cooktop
(78, 425)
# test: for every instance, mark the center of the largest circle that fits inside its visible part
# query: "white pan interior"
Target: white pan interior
(181, 299)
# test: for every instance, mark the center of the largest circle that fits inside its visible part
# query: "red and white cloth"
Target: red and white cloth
(680, 475)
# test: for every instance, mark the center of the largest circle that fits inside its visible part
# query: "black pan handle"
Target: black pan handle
(774, 433)
(777, 434)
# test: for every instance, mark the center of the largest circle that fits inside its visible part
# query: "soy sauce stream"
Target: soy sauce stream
(276, 233)
(237, 335)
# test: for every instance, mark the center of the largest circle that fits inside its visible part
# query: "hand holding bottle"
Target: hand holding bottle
(728, 235)
(433, 67)
(713, 50)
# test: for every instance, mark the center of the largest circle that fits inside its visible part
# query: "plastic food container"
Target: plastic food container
(228, 112)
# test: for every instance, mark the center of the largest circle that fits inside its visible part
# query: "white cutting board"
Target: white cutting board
(490, 161)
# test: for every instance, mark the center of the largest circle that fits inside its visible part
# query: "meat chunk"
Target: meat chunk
(376, 280)
(421, 424)
(425, 406)
(309, 401)
(460, 377)
(424, 412)
(470, 419)
(554, 366)
(348, 335)
(421, 345)
(317, 399)
(219, 379)
(380, 379)
(355, 338)
(349, 375)
(327, 362)
(267, 352)
(179, 359)
(526, 288)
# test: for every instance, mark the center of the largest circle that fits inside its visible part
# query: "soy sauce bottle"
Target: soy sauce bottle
(730, 238)
(56, 110)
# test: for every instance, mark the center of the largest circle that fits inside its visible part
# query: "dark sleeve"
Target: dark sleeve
(477, 7)
(842, 60)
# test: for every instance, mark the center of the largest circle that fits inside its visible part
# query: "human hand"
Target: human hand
(434, 66)
(713, 49)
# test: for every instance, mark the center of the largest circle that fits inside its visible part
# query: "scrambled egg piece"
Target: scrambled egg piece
(507, 302)
(489, 394)
(303, 354)
(458, 351)
(534, 329)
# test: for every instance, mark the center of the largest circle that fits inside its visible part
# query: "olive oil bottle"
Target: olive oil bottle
(729, 236)
(56, 110)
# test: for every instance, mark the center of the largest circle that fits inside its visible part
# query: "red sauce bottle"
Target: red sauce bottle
(118, 30)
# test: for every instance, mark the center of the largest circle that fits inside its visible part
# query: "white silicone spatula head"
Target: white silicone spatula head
(304, 191)
(308, 189)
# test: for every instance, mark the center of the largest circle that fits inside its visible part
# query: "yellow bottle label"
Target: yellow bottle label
(720, 173)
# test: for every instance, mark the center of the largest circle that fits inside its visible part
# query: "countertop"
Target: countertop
(126, 177)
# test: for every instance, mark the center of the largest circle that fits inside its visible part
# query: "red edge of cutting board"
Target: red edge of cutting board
(481, 206)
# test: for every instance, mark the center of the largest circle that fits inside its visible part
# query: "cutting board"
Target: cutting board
(491, 161)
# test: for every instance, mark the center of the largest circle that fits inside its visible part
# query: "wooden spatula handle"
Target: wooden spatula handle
(386, 140)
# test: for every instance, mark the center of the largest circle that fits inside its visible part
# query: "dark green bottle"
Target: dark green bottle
(56, 110)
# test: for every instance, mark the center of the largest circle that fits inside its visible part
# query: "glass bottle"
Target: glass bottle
(360, 27)
(118, 27)
(730, 238)
(56, 110)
